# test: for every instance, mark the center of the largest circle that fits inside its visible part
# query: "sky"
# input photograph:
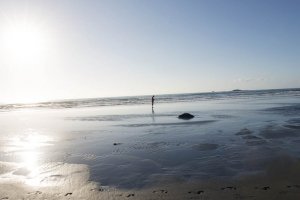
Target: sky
(60, 49)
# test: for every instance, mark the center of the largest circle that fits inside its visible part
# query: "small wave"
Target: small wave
(140, 100)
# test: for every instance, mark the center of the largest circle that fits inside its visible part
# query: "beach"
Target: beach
(239, 145)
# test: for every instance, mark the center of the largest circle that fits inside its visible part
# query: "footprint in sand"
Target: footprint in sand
(160, 191)
(196, 192)
(293, 186)
(228, 188)
(34, 193)
(266, 188)
(263, 188)
(69, 193)
(130, 195)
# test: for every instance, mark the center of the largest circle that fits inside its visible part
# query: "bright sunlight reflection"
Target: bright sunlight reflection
(29, 145)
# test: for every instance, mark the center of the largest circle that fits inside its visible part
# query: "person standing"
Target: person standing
(153, 114)
(152, 101)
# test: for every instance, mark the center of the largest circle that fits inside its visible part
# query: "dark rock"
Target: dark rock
(186, 116)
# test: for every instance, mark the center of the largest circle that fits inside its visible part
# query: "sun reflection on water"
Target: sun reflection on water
(27, 148)
(30, 160)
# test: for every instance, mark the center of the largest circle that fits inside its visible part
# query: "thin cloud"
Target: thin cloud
(243, 80)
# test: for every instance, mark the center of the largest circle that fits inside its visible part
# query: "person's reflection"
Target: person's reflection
(153, 115)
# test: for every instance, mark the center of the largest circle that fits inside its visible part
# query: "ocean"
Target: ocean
(146, 99)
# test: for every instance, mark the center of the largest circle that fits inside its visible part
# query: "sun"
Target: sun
(27, 51)
(24, 42)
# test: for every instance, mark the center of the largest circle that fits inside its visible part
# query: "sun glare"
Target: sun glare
(23, 42)
(27, 47)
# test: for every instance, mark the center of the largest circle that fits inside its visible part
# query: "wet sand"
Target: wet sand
(231, 150)
(281, 181)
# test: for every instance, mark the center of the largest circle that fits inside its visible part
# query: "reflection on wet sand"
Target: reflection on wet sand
(29, 177)
(153, 115)
(70, 181)
(26, 148)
